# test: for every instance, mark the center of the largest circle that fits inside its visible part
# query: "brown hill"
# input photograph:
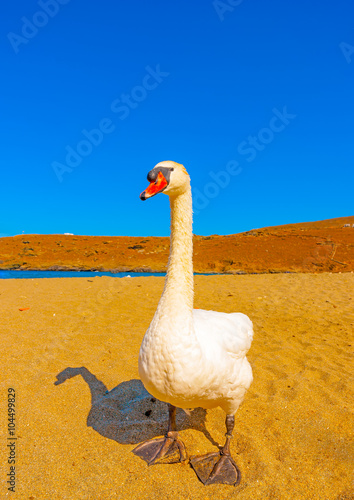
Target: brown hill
(306, 247)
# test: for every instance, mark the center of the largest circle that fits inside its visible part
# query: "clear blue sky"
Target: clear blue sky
(262, 88)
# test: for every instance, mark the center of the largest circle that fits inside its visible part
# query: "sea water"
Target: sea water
(69, 274)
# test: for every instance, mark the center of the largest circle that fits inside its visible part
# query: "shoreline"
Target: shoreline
(152, 271)
(135, 270)
(149, 272)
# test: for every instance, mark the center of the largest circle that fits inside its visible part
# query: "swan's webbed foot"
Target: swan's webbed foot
(219, 467)
(167, 450)
(214, 468)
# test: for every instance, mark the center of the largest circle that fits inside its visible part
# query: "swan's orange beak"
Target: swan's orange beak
(155, 187)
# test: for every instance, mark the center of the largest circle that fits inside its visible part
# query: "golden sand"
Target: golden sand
(293, 433)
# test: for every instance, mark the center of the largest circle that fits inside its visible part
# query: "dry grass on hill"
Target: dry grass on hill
(308, 247)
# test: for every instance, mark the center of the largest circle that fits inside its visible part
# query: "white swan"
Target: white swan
(191, 358)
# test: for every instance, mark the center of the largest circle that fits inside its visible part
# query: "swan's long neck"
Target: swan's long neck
(177, 297)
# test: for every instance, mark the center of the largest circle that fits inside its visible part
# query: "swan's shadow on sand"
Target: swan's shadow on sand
(128, 414)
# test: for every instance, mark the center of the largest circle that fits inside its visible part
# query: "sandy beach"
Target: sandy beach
(294, 431)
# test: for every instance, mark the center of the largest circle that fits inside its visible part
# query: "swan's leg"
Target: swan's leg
(218, 467)
(167, 450)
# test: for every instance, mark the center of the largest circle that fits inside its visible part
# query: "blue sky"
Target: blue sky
(254, 98)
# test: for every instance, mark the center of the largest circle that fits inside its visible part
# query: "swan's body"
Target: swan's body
(202, 364)
(191, 358)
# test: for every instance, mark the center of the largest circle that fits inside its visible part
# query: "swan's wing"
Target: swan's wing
(230, 332)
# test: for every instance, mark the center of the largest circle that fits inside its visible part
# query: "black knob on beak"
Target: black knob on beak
(152, 175)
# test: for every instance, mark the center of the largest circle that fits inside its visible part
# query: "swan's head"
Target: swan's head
(166, 177)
